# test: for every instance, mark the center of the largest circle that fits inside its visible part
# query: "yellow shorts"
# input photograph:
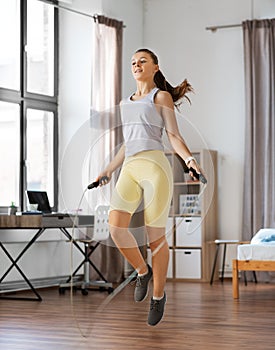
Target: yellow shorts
(148, 176)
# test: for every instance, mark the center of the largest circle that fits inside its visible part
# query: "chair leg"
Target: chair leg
(255, 276)
(245, 278)
(223, 261)
(214, 263)
(86, 283)
(86, 265)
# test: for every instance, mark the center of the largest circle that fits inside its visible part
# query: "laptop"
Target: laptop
(41, 198)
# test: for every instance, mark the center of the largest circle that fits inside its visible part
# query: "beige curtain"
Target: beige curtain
(105, 128)
(259, 172)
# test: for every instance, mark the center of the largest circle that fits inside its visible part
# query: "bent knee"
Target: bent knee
(156, 243)
(118, 222)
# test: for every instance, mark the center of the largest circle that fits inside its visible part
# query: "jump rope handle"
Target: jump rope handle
(97, 183)
(199, 177)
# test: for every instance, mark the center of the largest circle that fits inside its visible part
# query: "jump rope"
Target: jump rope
(121, 286)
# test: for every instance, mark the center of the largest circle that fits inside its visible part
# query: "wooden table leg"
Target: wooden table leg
(235, 279)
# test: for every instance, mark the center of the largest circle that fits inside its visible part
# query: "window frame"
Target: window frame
(35, 101)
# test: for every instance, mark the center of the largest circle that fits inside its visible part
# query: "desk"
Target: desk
(41, 224)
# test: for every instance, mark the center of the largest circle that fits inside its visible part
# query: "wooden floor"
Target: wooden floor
(198, 316)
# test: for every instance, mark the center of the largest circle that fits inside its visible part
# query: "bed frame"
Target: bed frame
(248, 265)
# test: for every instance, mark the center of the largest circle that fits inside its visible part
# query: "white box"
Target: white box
(188, 232)
(188, 263)
(170, 265)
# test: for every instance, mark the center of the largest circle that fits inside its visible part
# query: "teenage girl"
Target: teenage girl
(146, 174)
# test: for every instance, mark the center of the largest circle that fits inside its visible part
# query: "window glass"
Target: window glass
(40, 48)
(9, 153)
(28, 100)
(10, 44)
(40, 150)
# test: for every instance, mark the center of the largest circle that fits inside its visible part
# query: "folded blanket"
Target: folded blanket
(264, 236)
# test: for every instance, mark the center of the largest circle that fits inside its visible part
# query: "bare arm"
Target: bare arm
(113, 165)
(165, 105)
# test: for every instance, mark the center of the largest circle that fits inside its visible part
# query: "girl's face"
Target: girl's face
(143, 67)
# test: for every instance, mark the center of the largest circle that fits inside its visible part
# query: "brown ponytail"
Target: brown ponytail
(178, 92)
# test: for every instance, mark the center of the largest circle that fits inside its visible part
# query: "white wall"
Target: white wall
(75, 85)
(131, 13)
(76, 33)
(213, 62)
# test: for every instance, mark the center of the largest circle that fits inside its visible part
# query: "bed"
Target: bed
(259, 255)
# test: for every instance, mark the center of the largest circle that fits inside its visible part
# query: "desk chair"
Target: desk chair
(100, 233)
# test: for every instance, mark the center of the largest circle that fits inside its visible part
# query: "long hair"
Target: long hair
(177, 92)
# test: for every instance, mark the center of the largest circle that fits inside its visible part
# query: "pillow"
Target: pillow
(264, 236)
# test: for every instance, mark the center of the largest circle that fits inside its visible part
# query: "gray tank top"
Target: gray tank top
(142, 124)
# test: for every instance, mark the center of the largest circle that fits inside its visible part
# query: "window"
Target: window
(9, 152)
(40, 150)
(40, 48)
(10, 44)
(28, 100)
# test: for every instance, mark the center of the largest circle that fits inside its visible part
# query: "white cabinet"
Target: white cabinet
(188, 231)
(188, 263)
(193, 216)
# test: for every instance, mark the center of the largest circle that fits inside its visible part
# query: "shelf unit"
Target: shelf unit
(189, 232)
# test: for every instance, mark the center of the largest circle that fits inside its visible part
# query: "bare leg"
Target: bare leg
(160, 258)
(126, 243)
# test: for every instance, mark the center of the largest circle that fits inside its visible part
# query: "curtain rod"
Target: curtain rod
(71, 10)
(215, 28)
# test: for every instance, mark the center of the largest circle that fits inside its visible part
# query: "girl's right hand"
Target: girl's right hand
(104, 178)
